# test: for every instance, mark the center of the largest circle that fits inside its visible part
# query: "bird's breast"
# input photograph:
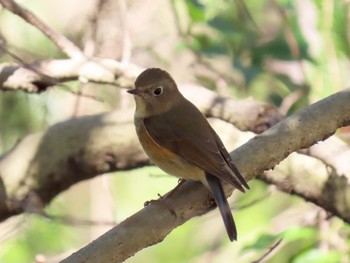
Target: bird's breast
(165, 159)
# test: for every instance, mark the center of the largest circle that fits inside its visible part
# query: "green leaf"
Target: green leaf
(264, 241)
(297, 233)
(318, 256)
(195, 10)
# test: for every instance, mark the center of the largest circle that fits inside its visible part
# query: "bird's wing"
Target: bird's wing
(192, 138)
(228, 160)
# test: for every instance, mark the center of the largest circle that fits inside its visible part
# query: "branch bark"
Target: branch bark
(256, 117)
(14, 77)
(303, 129)
(71, 151)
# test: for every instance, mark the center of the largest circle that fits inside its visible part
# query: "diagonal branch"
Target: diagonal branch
(63, 43)
(153, 223)
(72, 151)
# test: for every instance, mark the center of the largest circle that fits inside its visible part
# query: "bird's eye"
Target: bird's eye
(158, 91)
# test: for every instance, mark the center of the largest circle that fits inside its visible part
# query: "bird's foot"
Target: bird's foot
(162, 199)
(154, 201)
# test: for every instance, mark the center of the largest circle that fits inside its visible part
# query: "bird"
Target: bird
(178, 138)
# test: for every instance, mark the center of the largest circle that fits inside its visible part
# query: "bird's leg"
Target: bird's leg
(162, 198)
(180, 182)
(153, 201)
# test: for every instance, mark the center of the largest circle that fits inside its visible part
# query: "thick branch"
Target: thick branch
(74, 148)
(323, 180)
(67, 153)
(334, 153)
(72, 151)
(263, 152)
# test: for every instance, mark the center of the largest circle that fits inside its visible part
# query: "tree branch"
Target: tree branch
(71, 151)
(86, 158)
(153, 223)
(256, 117)
(14, 77)
(63, 43)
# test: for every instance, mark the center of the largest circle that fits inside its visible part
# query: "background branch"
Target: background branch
(71, 151)
(256, 117)
(68, 47)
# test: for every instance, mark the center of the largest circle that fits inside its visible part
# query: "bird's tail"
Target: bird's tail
(215, 187)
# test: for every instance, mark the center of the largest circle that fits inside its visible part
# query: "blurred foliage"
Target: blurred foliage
(289, 53)
(251, 35)
(20, 114)
(35, 235)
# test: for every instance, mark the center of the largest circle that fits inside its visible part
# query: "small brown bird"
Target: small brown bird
(178, 138)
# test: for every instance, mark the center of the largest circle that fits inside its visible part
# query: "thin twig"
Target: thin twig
(291, 40)
(289, 101)
(176, 19)
(63, 43)
(94, 23)
(254, 202)
(77, 104)
(80, 93)
(127, 45)
(78, 221)
(244, 9)
(268, 252)
(46, 78)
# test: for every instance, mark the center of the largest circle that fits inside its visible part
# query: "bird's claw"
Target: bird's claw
(161, 201)
(154, 201)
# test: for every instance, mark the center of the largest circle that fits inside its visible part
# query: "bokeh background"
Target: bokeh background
(283, 52)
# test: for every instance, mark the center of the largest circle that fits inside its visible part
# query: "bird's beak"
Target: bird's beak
(134, 91)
